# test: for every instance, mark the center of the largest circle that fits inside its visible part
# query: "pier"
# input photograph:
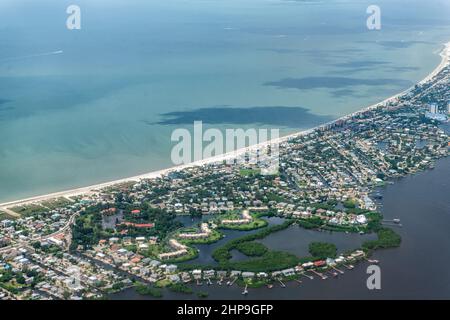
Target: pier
(371, 260)
(230, 283)
(307, 275)
(349, 267)
(338, 270)
(390, 224)
(333, 273)
(393, 222)
(324, 277)
(245, 292)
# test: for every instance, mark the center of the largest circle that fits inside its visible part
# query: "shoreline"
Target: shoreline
(445, 61)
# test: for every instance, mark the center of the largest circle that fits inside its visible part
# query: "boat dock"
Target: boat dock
(338, 270)
(324, 277)
(281, 283)
(333, 273)
(393, 223)
(230, 283)
(307, 275)
(371, 260)
(349, 267)
(245, 292)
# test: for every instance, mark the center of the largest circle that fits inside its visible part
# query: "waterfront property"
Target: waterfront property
(326, 178)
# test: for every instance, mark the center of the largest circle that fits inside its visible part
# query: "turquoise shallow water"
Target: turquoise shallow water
(95, 112)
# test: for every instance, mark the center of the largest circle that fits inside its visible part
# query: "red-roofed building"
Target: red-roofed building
(138, 225)
(144, 225)
(135, 260)
(59, 236)
(319, 263)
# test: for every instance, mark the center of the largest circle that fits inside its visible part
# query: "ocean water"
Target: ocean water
(79, 107)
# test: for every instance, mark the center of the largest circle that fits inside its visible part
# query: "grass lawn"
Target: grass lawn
(5, 216)
(56, 203)
(45, 206)
(249, 172)
(29, 210)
